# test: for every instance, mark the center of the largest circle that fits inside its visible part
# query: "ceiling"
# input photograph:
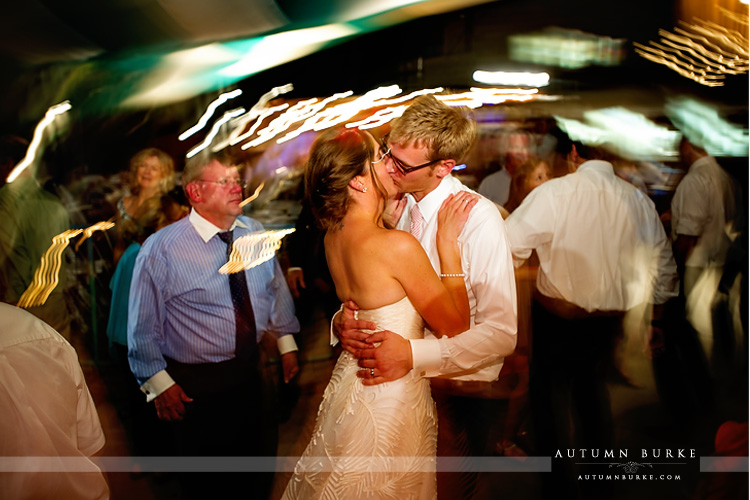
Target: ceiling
(109, 55)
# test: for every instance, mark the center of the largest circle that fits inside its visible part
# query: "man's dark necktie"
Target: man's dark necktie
(246, 345)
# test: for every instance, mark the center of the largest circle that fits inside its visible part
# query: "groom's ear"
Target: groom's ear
(445, 168)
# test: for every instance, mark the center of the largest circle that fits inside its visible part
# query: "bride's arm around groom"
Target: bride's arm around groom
(476, 354)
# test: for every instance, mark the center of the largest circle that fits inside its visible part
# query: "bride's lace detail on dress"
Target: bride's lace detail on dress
(372, 442)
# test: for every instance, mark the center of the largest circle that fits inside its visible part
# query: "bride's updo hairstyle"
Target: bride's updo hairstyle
(337, 156)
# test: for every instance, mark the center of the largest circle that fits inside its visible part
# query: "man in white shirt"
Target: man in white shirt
(602, 251)
(703, 212)
(423, 147)
(47, 411)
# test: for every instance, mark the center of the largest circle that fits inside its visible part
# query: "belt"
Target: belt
(568, 310)
(469, 388)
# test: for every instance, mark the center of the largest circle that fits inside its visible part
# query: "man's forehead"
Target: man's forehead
(217, 167)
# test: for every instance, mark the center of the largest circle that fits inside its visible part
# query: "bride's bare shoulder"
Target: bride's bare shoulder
(398, 242)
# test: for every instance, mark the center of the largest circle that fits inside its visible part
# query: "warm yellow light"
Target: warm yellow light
(517, 78)
(209, 113)
(254, 249)
(49, 117)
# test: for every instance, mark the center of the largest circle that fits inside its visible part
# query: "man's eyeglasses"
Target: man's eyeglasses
(402, 167)
(227, 183)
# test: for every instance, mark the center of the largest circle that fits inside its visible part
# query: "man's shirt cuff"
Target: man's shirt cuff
(286, 343)
(426, 357)
(334, 338)
(157, 384)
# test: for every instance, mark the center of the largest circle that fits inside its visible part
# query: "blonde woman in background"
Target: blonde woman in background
(151, 176)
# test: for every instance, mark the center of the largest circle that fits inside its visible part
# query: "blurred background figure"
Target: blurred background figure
(148, 434)
(31, 216)
(516, 150)
(47, 412)
(603, 251)
(151, 176)
(515, 440)
(703, 211)
(530, 174)
(308, 276)
(705, 226)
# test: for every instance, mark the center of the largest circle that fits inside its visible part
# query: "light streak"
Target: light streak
(320, 114)
(704, 52)
(258, 112)
(47, 274)
(215, 130)
(254, 249)
(99, 226)
(525, 79)
(309, 114)
(282, 122)
(380, 117)
(209, 112)
(477, 97)
(702, 125)
(49, 117)
(674, 64)
(236, 136)
(738, 18)
(253, 196)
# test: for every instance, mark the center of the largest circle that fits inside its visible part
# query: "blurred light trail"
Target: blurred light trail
(477, 97)
(623, 132)
(99, 226)
(214, 130)
(253, 196)
(47, 274)
(524, 79)
(254, 249)
(236, 136)
(273, 50)
(379, 118)
(703, 52)
(704, 127)
(318, 114)
(49, 117)
(258, 112)
(209, 112)
(566, 48)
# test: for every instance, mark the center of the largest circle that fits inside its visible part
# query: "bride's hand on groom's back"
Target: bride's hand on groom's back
(348, 329)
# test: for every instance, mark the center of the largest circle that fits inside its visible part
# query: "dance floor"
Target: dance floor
(642, 421)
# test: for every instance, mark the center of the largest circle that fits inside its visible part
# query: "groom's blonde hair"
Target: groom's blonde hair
(447, 132)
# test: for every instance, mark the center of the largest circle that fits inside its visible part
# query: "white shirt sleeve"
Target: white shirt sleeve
(477, 353)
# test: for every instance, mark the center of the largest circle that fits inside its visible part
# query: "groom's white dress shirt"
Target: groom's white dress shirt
(478, 353)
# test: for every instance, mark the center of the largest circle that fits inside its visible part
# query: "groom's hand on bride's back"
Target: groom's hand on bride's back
(391, 360)
(348, 329)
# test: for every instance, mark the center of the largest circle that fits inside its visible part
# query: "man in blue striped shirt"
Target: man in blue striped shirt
(182, 330)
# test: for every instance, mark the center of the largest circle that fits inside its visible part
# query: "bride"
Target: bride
(377, 442)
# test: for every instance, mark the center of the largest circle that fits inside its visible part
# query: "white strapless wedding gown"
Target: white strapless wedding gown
(372, 442)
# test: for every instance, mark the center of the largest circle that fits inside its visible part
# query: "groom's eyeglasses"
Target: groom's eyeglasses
(402, 167)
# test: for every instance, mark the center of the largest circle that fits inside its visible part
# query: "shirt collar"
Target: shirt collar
(702, 162)
(206, 229)
(598, 165)
(430, 204)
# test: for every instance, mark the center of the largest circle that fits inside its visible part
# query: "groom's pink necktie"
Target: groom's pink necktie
(417, 222)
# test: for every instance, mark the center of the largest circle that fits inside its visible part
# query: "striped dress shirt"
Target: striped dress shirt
(181, 307)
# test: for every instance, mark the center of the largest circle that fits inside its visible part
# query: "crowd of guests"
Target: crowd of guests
(590, 251)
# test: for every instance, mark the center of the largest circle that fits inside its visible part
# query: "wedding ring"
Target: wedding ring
(372, 372)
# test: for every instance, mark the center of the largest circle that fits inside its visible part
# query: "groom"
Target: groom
(421, 151)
